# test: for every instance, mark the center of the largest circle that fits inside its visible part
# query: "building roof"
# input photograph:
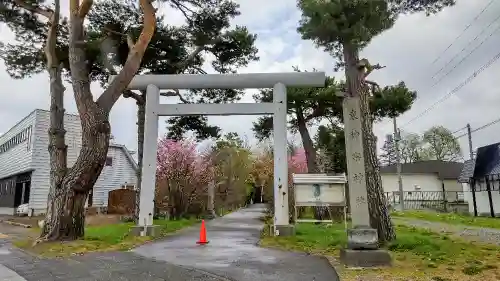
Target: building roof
(127, 154)
(444, 169)
(487, 161)
(467, 171)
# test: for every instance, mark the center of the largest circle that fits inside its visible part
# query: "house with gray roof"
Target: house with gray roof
(480, 178)
(431, 181)
(25, 167)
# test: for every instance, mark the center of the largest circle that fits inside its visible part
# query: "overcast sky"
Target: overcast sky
(408, 50)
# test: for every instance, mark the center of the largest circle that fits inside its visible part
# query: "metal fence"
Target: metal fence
(448, 201)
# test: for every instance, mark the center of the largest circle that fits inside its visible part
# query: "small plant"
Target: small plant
(472, 270)
(439, 278)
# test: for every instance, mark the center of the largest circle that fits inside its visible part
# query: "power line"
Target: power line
(466, 46)
(481, 128)
(461, 129)
(468, 55)
(456, 89)
(466, 28)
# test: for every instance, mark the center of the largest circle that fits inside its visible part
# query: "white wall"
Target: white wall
(482, 201)
(18, 158)
(426, 182)
(40, 180)
(111, 177)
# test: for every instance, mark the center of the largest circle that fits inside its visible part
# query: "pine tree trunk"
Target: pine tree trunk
(311, 157)
(377, 204)
(65, 219)
(57, 146)
(307, 143)
(141, 118)
(379, 213)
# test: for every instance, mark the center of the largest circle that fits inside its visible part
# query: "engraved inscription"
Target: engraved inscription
(360, 200)
(353, 114)
(358, 177)
(356, 156)
(355, 134)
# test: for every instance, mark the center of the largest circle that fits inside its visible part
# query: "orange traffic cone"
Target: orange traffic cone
(203, 234)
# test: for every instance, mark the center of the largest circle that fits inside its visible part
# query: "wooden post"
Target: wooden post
(473, 189)
(490, 198)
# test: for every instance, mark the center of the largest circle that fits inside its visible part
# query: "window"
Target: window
(15, 140)
(109, 161)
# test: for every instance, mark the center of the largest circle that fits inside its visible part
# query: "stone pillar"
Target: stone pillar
(282, 225)
(145, 225)
(362, 240)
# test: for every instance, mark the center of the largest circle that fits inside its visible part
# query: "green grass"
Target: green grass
(415, 251)
(450, 218)
(113, 237)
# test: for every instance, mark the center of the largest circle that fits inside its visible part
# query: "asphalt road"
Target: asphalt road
(232, 252)
(231, 255)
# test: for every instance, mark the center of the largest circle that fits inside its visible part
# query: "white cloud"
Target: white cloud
(407, 50)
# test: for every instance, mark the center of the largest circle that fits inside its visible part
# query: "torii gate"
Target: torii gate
(278, 81)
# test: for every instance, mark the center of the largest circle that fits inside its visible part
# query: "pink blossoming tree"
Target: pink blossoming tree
(183, 176)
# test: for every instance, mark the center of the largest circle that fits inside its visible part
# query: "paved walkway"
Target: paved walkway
(118, 266)
(471, 233)
(233, 253)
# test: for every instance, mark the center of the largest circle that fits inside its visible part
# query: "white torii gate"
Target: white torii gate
(278, 81)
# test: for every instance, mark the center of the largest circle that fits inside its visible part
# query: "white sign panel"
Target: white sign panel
(319, 190)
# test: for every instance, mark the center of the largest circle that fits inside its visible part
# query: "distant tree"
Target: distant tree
(440, 144)
(232, 165)
(305, 107)
(388, 155)
(331, 146)
(411, 148)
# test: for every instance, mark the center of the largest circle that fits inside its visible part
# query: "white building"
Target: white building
(25, 167)
(481, 181)
(425, 183)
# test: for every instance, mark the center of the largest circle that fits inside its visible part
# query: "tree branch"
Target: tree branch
(375, 86)
(175, 93)
(196, 52)
(50, 46)
(365, 65)
(85, 8)
(134, 59)
(129, 94)
(74, 6)
(36, 10)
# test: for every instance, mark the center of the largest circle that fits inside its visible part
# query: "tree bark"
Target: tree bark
(379, 213)
(57, 146)
(377, 204)
(141, 118)
(65, 218)
(307, 142)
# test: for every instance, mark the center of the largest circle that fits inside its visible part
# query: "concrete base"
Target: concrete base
(151, 230)
(285, 230)
(362, 238)
(365, 258)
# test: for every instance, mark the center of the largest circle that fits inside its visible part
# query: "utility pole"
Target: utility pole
(469, 134)
(397, 138)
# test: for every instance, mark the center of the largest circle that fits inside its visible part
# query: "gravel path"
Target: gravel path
(471, 233)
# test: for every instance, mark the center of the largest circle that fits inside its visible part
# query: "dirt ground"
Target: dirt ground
(89, 220)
